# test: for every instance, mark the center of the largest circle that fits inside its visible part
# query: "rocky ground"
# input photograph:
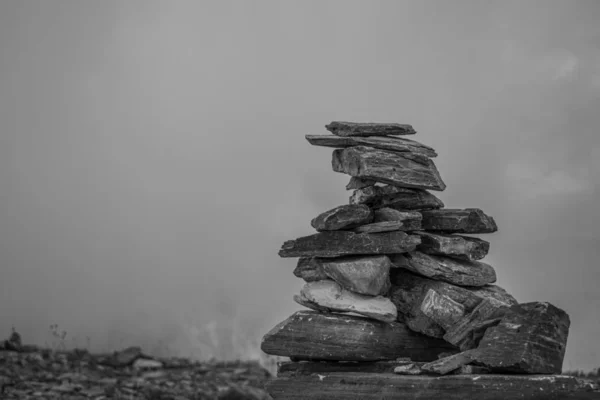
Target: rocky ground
(30, 372)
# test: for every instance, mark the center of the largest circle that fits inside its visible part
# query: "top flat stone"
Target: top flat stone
(389, 143)
(342, 128)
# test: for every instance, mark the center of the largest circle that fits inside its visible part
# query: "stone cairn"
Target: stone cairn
(398, 294)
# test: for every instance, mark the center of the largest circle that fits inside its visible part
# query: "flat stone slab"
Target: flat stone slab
(329, 296)
(457, 272)
(368, 275)
(309, 335)
(343, 128)
(410, 220)
(291, 369)
(455, 246)
(384, 226)
(344, 243)
(468, 220)
(395, 197)
(377, 386)
(388, 143)
(408, 170)
(347, 216)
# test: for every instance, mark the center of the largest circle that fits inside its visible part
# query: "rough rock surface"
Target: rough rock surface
(384, 226)
(451, 363)
(329, 296)
(343, 217)
(36, 373)
(369, 275)
(310, 269)
(442, 309)
(399, 169)
(530, 338)
(396, 197)
(469, 220)
(344, 129)
(309, 335)
(411, 220)
(357, 183)
(455, 246)
(364, 386)
(343, 243)
(377, 142)
(409, 290)
(457, 272)
(308, 367)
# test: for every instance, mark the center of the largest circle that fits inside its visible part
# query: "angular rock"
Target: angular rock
(408, 369)
(457, 272)
(469, 220)
(398, 169)
(468, 331)
(442, 309)
(395, 197)
(345, 129)
(448, 364)
(329, 296)
(343, 217)
(454, 246)
(409, 290)
(310, 269)
(301, 368)
(356, 385)
(531, 338)
(314, 336)
(343, 243)
(368, 275)
(384, 226)
(388, 143)
(357, 183)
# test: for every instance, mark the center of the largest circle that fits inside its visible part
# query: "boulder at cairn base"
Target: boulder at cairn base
(457, 272)
(400, 145)
(398, 169)
(531, 338)
(343, 217)
(455, 246)
(329, 296)
(343, 243)
(369, 275)
(396, 197)
(409, 293)
(344, 129)
(310, 269)
(469, 220)
(309, 335)
(357, 183)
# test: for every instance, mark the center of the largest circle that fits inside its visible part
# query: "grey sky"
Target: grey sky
(153, 160)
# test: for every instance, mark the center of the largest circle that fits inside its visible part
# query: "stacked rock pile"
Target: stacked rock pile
(395, 284)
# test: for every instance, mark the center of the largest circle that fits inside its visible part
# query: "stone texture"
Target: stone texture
(384, 226)
(468, 331)
(442, 309)
(387, 143)
(343, 243)
(343, 217)
(310, 269)
(395, 197)
(368, 275)
(469, 220)
(448, 364)
(329, 296)
(457, 272)
(398, 169)
(345, 129)
(455, 246)
(531, 338)
(357, 183)
(409, 290)
(408, 369)
(301, 368)
(411, 220)
(361, 386)
(309, 335)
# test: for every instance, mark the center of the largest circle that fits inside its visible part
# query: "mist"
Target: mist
(153, 160)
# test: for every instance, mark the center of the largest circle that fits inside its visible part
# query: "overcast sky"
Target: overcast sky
(153, 160)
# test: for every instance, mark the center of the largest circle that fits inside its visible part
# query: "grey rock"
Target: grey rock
(385, 226)
(357, 183)
(448, 364)
(388, 143)
(343, 128)
(310, 269)
(442, 309)
(343, 217)
(454, 246)
(469, 220)
(368, 275)
(398, 169)
(395, 197)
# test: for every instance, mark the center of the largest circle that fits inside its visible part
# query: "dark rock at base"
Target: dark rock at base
(360, 386)
(357, 183)
(399, 169)
(457, 272)
(310, 269)
(309, 335)
(451, 363)
(343, 217)
(343, 243)
(395, 197)
(469, 220)
(308, 368)
(387, 143)
(345, 129)
(531, 338)
(454, 246)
